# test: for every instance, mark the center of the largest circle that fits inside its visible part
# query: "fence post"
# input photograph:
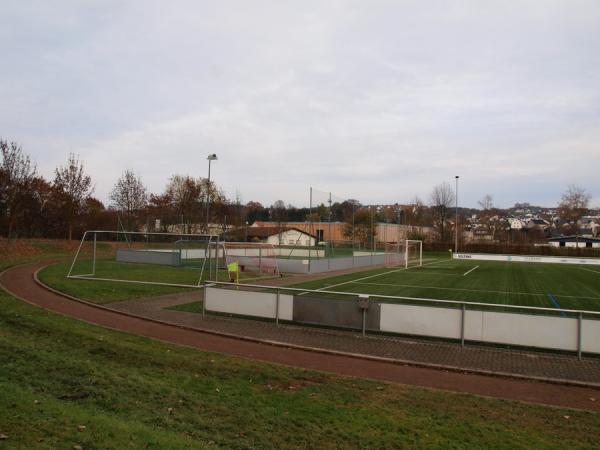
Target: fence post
(204, 300)
(217, 261)
(364, 324)
(579, 333)
(462, 325)
(277, 308)
(94, 260)
(363, 303)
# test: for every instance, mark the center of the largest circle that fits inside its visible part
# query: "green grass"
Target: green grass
(131, 392)
(525, 284)
(110, 291)
(107, 291)
(110, 268)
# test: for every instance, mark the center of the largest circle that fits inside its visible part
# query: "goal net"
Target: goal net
(394, 254)
(413, 253)
(146, 258)
(253, 259)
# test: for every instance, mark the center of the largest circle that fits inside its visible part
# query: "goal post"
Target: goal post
(170, 259)
(413, 253)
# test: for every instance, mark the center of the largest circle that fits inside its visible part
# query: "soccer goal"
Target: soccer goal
(413, 253)
(254, 259)
(171, 259)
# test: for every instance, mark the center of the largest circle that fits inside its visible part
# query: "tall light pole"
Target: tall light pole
(211, 157)
(456, 220)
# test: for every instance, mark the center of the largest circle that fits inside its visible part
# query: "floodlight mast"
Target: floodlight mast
(211, 157)
(456, 219)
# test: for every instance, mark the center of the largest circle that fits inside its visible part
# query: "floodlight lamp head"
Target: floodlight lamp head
(212, 157)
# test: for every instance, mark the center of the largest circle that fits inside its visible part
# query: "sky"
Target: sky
(373, 100)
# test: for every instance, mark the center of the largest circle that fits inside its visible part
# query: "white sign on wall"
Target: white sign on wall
(523, 258)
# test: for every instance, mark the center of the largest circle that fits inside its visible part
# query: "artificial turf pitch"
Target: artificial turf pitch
(565, 286)
(509, 283)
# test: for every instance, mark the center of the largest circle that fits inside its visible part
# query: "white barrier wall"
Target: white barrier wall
(590, 336)
(528, 330)
(245, 303)
(523, 258)
(198, 253)
(522, 329)
(420, 320)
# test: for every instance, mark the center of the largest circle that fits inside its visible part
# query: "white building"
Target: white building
(288, 236)
(516, 224)
(574, 242)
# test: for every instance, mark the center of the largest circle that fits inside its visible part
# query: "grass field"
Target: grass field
(109, 291)
(512, 283)
(57, 373)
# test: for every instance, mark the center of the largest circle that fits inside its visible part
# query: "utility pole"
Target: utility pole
(329, 232)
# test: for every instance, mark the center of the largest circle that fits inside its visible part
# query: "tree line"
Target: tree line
(64, 207)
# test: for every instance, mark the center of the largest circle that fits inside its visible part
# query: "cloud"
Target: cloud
(377, 102)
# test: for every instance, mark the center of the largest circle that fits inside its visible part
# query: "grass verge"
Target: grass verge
(132, 392)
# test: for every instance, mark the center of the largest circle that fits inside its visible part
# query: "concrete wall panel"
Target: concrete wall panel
(245, 303)
(590, 336)
(339, 313)
(421, 320)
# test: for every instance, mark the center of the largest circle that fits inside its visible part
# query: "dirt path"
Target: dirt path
(19, 282)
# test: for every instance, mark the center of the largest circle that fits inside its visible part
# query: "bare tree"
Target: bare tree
(188, 196)
(279, 215)
(488, 217)
(415, 212)
(130, 196)
(279, 212)
(486, 203)
(74, 186)
(16, 175)
(184, 194)
(442, 198)
(361, 228)
(573, 205)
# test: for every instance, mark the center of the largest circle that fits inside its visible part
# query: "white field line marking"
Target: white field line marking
(476, 290)
(381, 274)
(438, 273)
(589, 270)
(469, 271)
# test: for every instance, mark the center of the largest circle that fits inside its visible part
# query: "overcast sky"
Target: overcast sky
(373, 100)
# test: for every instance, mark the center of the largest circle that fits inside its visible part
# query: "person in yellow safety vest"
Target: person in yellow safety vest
(234, 272)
